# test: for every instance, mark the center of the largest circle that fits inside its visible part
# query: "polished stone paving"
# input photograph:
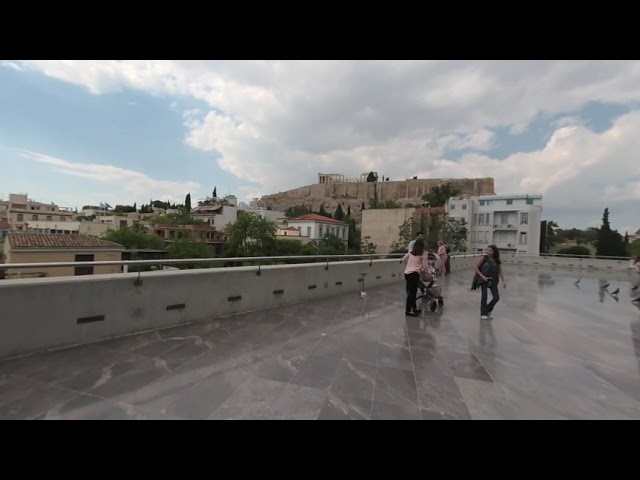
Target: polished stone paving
(554, 350)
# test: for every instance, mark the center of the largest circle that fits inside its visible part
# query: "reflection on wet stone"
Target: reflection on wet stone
(554, 350)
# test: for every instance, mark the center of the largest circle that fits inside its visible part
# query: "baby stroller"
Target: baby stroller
(432, 293)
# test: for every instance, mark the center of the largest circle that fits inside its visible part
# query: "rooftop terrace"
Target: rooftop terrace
(555, 350)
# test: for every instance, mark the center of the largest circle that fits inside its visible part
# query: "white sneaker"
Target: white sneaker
(484, 317)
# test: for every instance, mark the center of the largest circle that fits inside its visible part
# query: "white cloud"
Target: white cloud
(135, 186)
(14, 65)
(278, 124)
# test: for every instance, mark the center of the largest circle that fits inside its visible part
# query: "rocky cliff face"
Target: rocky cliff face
(355, 194)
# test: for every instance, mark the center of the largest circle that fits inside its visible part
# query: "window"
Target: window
(510, 201)
(487, 219)
(464, 206)
(523, 238)
(482, 203)
(84, 270)
(504, 217)
(524, 219)
(34, 217)
(20, 217)
(62, 219)
(49, 218)
(308, 231)
(481, 219)
(453, 207)
(529, 201)
(486, 237)
(320, 232)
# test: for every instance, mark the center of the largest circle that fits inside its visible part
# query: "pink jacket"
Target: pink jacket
(414, 263)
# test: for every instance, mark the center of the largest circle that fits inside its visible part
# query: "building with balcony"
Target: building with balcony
(218, 215)
(20, 211)
(511, 222)
(24, 247)
(169, 233)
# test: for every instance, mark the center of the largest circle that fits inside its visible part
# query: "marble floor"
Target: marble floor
(554, 350)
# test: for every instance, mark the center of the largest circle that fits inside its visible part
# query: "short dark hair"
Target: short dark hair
(419, 233)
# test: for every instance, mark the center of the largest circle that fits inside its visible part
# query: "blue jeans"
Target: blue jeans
(486, 309)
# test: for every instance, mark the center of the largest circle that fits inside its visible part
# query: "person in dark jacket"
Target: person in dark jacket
(489, 270)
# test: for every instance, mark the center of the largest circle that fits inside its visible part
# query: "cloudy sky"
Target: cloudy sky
(84, 132)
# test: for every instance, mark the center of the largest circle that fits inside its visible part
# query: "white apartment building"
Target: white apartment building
(271, 215)
(511, 222)
(317, 227)
(218, 215)
(21, 211)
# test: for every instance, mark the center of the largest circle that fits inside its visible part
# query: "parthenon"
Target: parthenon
(324, 178)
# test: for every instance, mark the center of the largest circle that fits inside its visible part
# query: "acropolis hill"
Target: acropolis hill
(333, 189)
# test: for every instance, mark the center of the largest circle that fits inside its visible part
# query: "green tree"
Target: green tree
(215, 192)
(284, 247)
(339, 214)
(250, 236)
(353, 242)
(187, 203)
(367, 247)
(372, 177)
(121, 209)
(297, 211)
(575, 250)
(405, 234)
(440, 194)
(348, 210)
(323, 212)
(634, 248)
(609, 241)
(135, 207)
(362, 208)
(332, 245)
(183, 248)
(134, 238)
(455, 234)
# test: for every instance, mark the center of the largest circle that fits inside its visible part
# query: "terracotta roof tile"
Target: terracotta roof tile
(57, 240)
(314, 217)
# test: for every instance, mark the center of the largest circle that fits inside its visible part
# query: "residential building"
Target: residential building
(271, 215)
(5, 228)
(24, 247)
(317, 227)
(511, 222)
(217, 215)
(21, 211)
(169, 233)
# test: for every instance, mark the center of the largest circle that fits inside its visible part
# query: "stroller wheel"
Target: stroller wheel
(441, 302)
(433, 307)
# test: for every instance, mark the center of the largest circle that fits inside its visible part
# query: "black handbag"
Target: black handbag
(475, 283)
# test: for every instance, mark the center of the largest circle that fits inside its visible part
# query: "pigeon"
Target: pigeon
(634, 288)
(605, 285)
(576, 282)
(616, 291)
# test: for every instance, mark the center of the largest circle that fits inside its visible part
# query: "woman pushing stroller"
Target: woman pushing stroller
(416, 261)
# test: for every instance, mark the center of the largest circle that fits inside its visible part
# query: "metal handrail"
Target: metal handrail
(178, 261)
